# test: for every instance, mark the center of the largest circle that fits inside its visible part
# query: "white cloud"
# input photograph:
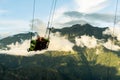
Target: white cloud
(92, 42)
(89, 6)
(89, 42)
(113, 31)
(39, 27)
(59, 18)
(20, 49)
(60, 44)
(109, 45)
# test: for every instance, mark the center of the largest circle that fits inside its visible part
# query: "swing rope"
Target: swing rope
(50, 20)
(114, 24)
(33, 16)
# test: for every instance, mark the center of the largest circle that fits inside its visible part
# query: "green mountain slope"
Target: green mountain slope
(84, 64)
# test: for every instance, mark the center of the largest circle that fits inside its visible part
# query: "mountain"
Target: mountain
(79, 30)
(84, 63)
(15, 38)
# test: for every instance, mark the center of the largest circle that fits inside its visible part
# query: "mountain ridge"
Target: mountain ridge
(82, 29)
(78, 30)
(20, 38)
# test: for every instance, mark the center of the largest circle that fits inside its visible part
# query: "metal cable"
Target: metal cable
(114, 24)
(33, 16)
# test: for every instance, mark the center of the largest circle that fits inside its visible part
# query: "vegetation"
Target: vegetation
(84, 64)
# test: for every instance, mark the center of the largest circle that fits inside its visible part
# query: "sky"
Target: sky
(16, 16)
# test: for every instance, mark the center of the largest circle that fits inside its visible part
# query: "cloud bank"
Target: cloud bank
(95, 19)
(39, 27)
(113, 31)
(86, 41)
(57, 43)
(92, 42)
(111, 46)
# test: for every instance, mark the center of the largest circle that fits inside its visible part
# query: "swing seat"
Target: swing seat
(36, 45)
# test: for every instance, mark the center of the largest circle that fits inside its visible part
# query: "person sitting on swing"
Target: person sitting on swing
(41, 43)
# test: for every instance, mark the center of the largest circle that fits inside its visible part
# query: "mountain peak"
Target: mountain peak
(78, 30)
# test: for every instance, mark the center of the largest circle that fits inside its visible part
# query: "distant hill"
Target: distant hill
(15, 38)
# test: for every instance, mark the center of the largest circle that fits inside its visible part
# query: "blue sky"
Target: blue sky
(15, 16)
